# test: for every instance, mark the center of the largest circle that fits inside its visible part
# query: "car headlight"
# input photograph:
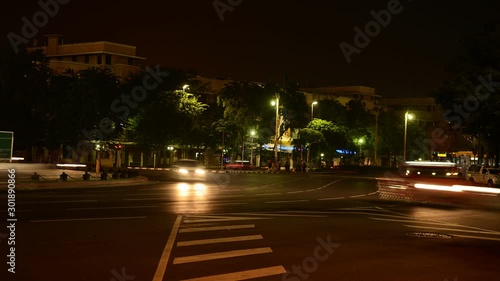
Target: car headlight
(183, 171)
(200, 171)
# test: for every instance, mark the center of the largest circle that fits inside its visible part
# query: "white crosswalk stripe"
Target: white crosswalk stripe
(193, 224)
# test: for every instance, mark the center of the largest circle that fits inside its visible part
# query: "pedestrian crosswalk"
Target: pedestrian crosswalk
(203, 239)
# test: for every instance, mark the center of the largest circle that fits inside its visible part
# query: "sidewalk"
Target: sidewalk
(49, 178)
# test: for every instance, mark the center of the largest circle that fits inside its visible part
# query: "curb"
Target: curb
(78, 184)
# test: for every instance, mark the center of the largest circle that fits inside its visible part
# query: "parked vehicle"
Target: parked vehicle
(484, 175)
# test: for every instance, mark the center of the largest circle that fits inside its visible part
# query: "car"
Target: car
(189, 170)
(484, 175)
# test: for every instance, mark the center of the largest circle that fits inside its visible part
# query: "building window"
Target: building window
(73, 58)
(87, 59)
(130, 61)
(99, 59)
(108, 59)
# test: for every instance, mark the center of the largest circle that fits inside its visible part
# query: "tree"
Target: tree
(308, 137)
(23, 85)
(169, 118)
(470, 96)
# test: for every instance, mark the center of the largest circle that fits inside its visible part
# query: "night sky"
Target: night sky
(264, 40)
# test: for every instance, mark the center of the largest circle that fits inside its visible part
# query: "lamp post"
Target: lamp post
(312, 109)
(185, 87)
(407, 117)
(360, 142)
(276, 103)
(252, 134)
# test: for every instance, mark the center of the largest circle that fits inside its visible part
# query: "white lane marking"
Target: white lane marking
(111, 208)
(360, 212)
(234, 203)
(360, 208)
(292, 192)
(162, 265)
(222, 255)
(354, 196)
(69, 196)
(268, 194)
(230, 196)
(291, 201)
(438, 223)
(478, 237)
(283, 215)
(214, 228)
(90, 219)
(266, 185)
(219, 240)
(201, 219)
(151, 193)
(51, 202)
(454, 229)
(333, 198)
(243, 275)
(144, 199)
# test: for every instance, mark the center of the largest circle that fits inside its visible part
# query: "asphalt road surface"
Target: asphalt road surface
(247, 227)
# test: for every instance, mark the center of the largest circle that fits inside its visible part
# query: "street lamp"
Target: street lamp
(407, 117)
(360, 142)
(252, 134)
(276, 103)
(186, 86)
(312, 109)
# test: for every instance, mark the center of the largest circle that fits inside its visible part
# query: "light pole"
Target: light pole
(252, 134)
(312, 109)
(185, 87)
(407, 117)
(360, 142)
(276, 103)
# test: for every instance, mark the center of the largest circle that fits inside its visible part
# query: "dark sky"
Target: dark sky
(261, 40)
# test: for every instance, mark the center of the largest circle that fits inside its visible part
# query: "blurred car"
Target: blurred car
(484, 175)
(189, 170)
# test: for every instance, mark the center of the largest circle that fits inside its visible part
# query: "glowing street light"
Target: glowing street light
(360, 142)
(185, 87)
(312, 109)
(276, 103)
(252, 135)
(408, 116)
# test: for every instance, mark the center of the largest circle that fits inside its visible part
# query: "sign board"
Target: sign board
(6, 145)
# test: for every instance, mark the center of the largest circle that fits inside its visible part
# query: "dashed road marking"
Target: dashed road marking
(222, 255)
(243, 275)
(219, 240)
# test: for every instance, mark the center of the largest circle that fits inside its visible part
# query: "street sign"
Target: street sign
(6, 145)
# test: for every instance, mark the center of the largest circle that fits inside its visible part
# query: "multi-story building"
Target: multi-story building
(343, 95)
(120, 58)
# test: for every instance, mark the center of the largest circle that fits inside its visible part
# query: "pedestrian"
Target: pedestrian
(287, 165)
(269, 165)
(303, 166)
